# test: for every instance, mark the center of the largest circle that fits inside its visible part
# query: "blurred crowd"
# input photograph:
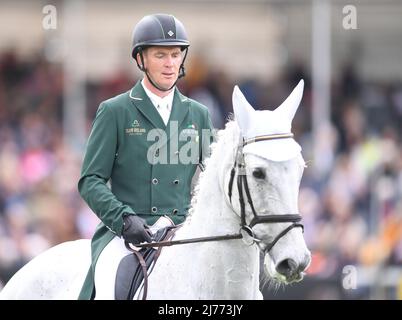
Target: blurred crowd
(352, 207)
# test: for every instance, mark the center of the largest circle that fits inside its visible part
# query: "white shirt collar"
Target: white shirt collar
(158, 101)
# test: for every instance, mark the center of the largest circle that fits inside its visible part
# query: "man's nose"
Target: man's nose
(169, 61)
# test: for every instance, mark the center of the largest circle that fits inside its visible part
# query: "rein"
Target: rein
(192, 240)
(257, 219)
(143, 263)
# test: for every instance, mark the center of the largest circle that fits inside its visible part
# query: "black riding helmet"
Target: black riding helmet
(159, 30)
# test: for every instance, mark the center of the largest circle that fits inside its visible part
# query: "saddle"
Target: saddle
(133, 268)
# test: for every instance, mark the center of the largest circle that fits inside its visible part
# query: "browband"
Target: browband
(268, 137)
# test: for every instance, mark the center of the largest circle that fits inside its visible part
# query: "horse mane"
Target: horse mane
(224, 146)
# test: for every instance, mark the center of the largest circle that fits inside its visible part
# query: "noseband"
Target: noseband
(242, 183)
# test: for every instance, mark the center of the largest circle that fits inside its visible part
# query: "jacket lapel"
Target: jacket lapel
(180, 108)
(142, 102)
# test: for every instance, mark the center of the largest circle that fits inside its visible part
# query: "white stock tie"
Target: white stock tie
(164, 112)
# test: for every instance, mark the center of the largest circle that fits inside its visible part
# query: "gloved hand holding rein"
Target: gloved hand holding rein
(135, 230)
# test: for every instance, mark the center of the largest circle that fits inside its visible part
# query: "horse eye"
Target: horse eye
(259, 173)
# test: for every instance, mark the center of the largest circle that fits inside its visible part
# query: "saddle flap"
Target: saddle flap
(130, 274)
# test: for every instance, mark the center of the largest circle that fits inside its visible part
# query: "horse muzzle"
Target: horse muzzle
(287, 270)
(291, 270)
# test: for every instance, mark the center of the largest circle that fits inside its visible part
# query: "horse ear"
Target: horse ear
(289, 107)
(242, 109)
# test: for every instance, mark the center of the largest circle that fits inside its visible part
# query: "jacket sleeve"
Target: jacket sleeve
(97, 169)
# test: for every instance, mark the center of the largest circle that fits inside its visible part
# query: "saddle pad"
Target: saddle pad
(129, 274)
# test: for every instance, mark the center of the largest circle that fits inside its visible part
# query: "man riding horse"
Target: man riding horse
(147, 176)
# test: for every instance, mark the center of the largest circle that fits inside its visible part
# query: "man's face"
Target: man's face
(163, 64)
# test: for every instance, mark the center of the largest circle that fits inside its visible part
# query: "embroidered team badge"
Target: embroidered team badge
(135, 129)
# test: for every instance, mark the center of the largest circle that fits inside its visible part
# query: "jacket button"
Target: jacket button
(154, 209)
(176, 181)
(155, 181)
(175, 211)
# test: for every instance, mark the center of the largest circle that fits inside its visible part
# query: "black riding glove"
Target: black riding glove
(135, 230)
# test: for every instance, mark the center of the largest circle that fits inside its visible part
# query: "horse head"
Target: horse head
(263, 185)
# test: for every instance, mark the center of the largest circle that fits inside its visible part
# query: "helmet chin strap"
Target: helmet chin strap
(182, 71)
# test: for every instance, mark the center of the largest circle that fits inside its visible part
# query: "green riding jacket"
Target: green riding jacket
(148, 164)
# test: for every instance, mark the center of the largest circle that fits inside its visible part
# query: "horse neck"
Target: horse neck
(211, 213)
(210, 270)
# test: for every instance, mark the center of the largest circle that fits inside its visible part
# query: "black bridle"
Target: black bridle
(242, 183)
(246, 229)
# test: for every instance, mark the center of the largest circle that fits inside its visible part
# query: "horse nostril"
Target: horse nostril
(287, 267)
(303, 266)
